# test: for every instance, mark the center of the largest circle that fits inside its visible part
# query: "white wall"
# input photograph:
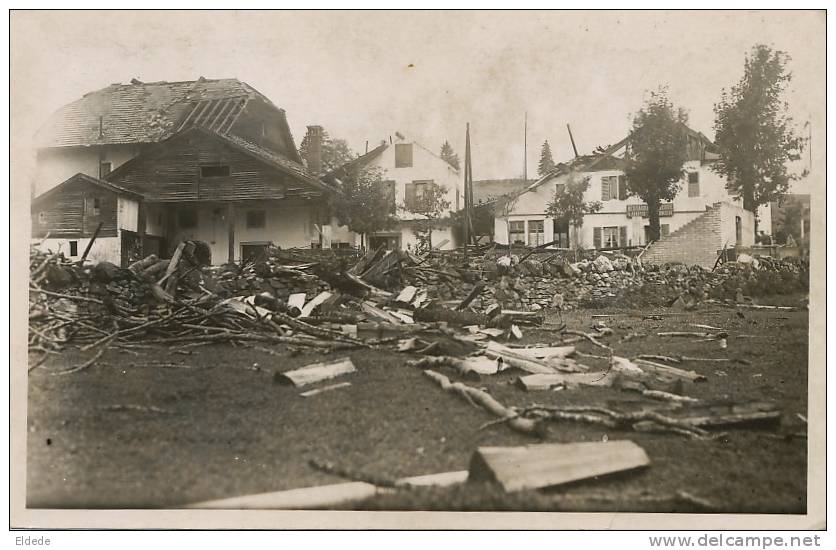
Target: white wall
(105, 249)
(57, 164)
(285, 226)
(532, 206)
(127, 214)
(425, 166)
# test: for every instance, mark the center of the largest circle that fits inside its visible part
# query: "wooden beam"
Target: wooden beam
(548, 465)
(230, 222)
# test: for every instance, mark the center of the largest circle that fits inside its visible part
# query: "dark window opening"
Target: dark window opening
(738, 229)
(93, 206)
(73, 248)
(561, 234)
(403, 155)
(256, 219)
(214, 171)
(187, 219)
(693, 184)
(104, 169)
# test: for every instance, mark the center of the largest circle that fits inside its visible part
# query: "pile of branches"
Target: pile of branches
(101, 306)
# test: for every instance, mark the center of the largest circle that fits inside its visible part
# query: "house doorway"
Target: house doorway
(254, 251)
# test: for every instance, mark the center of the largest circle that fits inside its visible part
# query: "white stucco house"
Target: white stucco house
(409, 169)
(622, 220)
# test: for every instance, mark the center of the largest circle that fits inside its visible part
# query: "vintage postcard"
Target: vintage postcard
(320, 267)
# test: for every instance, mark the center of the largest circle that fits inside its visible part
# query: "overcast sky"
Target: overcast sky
(365, 75)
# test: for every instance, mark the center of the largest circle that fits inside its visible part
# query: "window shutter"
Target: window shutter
(622, 187)
(403, 155)
(605, 189)
(622, 235)
(596, 237)
(409, 190)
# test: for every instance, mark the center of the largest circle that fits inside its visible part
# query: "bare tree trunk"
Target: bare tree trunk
(653, 219)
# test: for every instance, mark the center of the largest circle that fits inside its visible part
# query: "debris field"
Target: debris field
(308, 379)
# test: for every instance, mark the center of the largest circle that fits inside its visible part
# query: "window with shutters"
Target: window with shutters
(403, 155)
(609, 188)
(516, 232)
(622, 188)
(536, 232)
(609, 237)
(693, 184)
(389, 190)
(256, 219)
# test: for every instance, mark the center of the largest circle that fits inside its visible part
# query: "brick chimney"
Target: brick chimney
(314, 153)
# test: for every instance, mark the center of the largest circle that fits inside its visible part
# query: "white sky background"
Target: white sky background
(365, 75)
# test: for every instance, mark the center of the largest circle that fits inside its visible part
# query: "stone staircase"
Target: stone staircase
(695, 243)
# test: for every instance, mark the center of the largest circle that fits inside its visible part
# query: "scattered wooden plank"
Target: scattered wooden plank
(313, 304)
(548, 465)
(650, 366)
(468, 366)
(514, 359)
(324, 389)
(402, 317)
(371, 309)
(407, 294)
(325, 496)
(315, 373)
(538, 382)
(546, 353)
(296, 300)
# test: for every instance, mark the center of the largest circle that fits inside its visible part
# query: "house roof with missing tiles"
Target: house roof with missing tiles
(146, 112)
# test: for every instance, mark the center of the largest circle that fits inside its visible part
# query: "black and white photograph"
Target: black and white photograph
(432, 262)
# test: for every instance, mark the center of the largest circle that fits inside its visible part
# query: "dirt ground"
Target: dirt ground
(225, 429)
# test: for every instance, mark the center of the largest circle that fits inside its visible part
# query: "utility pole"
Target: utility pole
(468, 179)
(572, 139)
(525, 148)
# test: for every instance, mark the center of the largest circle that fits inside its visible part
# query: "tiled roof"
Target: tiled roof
(118, 189)
(146, 112)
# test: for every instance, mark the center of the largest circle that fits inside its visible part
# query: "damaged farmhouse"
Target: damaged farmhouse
(702, 220)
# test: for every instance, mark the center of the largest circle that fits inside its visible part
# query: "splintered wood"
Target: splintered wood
(548, 465)
(315, 373)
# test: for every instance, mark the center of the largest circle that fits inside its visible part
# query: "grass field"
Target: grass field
(223, 428)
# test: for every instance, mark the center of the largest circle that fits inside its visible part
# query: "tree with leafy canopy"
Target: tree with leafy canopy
(568, 206)
(364, 204)
(753, 130)
(449, 156)
(431, 203)
(658, 151)
(335, 152)
(546, 161)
